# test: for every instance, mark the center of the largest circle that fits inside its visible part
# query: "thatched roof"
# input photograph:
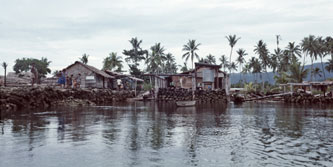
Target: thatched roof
(93, 69)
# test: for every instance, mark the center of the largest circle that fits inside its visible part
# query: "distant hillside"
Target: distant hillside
(270, 76)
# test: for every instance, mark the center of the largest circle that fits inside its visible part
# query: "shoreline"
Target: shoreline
(16, 98)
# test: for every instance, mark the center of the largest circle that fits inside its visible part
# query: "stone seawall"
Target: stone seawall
(304, 98)
(38, 97)
(176, 94)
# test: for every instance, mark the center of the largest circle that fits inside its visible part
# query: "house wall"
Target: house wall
(182, 81)
(78, 68)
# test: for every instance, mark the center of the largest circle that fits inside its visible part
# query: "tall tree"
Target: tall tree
(322, 52)
(84, 58)
(262, 51)
(304, 45)
(241, 60)
(211, 59)
(190, 49)
(233, 66)
(293, 51)
(329, 65)
(256, 67)
(317, 72)
(134, 56)
(113, 62)
(278, 38)
(310, 46)
(170, 66)
(246, 70)
(224, 62)
(232, 42)
(184, 68)
(4, 65)
(25, 64)
(276, 61)
(297, 72)
(155, 59)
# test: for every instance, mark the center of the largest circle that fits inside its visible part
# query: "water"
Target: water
(152, 134)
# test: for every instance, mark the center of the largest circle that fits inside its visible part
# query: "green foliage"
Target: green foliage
(25, 64)
(134, 70)
(250, 87)
(282, 78)
(232, 39)
(134, 56)
(170, 65)
(147, 86)
(155, 59)
(297, 73)
(84, 58)
(112, 62)
(224, 62)
(190, 49)
(184, 68)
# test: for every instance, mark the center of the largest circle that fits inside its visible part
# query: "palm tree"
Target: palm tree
(232, 42)
(304, 45)
(322, 52)
(136, 54)
(292, 51)
(112, 61)
(262, 51)
(240, 60)
(84, 58)
(246, 70)
(233, 66)
(329, 45)
(256, 67)
(310, 46)
(4, 65)
(329, 66)
(297, 72)
(278, 38)
(316, 72)
(170, 65)
(155, 59)
(224, 62)
(276, 61)
(190, 49)
(211, 59)
(184, 68)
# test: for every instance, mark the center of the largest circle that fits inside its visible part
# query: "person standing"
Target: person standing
(35, 74)
(77, 82)
(62, 79)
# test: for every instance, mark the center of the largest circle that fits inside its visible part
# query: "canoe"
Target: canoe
(185, 103)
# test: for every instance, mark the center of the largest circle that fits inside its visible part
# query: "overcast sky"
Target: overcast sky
(62, 30)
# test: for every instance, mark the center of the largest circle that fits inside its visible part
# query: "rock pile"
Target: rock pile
(33, 97)
(179, 94)
(305, 98)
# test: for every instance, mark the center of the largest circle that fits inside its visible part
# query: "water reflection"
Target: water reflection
(160, 134)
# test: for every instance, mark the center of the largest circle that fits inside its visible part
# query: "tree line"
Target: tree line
(285, 62)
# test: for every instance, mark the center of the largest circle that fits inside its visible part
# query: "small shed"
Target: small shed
(91, 77)
(130, 82)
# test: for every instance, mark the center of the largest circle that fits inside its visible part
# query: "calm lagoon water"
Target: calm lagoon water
(160, 134)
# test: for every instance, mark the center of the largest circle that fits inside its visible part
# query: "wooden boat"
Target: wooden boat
(185, 103)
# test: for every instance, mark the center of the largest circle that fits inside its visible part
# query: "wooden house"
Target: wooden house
(91, 77)
(205, 76)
